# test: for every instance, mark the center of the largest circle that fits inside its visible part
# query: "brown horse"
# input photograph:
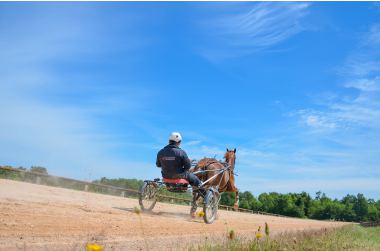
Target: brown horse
(224, 182)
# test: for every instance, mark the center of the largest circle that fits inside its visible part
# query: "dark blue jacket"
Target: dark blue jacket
(173, 162)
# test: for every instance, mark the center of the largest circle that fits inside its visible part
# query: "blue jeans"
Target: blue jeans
(193, 179)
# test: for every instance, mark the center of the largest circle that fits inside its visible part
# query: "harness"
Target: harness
(219, 171)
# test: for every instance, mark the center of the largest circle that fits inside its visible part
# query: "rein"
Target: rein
(204, 171)
(219, 171)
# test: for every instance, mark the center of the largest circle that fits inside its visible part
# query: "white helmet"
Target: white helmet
(175, 136)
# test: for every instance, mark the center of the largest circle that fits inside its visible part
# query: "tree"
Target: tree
(245, 199)
(248, 201)
(318, 195)
(282, 204)
(121, 182)
(348, 199)
(255, 205)
(361, 208)
(268, 201)
(227, 199)
(373, 212)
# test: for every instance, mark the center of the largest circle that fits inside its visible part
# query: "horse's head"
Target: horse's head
(230, 157)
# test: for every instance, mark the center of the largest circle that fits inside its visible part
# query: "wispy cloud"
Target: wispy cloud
(331, 145)
(365, 60)
(201, 151)
(192, 143)
(373, 37)
(316, 120)
(347, 123)
(245, 28)
(361, 75)
(365, 84)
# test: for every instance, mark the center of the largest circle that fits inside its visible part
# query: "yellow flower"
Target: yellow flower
(137, 210)
(94, 247)
(258, 233)
(200, 214)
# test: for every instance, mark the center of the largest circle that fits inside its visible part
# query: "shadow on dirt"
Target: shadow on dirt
(160, 213)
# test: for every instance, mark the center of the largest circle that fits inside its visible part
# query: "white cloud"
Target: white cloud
(192, 143)
(199, 152)
(66, 141)
(360, 65)
(365, 84)
(362, 110)
(365, 60)
(373, 35)
(244, 28)
(335, 145)
(319, 122)
(336, 149)
(252, 153)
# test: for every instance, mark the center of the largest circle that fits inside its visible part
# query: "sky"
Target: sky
(92, 90)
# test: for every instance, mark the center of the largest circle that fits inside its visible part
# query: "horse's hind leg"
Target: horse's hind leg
(236, 204)
(234, 189)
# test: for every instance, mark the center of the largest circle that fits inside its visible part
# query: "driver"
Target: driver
(174, 162)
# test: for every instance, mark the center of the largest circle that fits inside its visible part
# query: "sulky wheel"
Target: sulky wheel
(210, 206)
(148, 196)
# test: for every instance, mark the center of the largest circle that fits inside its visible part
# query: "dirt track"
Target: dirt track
(35, 217)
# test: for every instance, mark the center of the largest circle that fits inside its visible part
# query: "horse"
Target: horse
(224, 182)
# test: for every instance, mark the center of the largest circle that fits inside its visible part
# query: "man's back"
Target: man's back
(173, 161)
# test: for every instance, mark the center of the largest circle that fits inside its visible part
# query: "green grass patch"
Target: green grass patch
(352, 237)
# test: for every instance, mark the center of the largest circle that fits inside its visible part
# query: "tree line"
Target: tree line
(350, 208)
(36, 169)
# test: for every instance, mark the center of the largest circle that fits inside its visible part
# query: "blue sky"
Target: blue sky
(94, 89)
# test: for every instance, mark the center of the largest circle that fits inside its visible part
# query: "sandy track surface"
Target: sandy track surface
(36, 217)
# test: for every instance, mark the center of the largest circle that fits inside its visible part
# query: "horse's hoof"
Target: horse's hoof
(193, 215)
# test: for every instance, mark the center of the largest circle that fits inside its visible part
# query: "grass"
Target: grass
(352, 237)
